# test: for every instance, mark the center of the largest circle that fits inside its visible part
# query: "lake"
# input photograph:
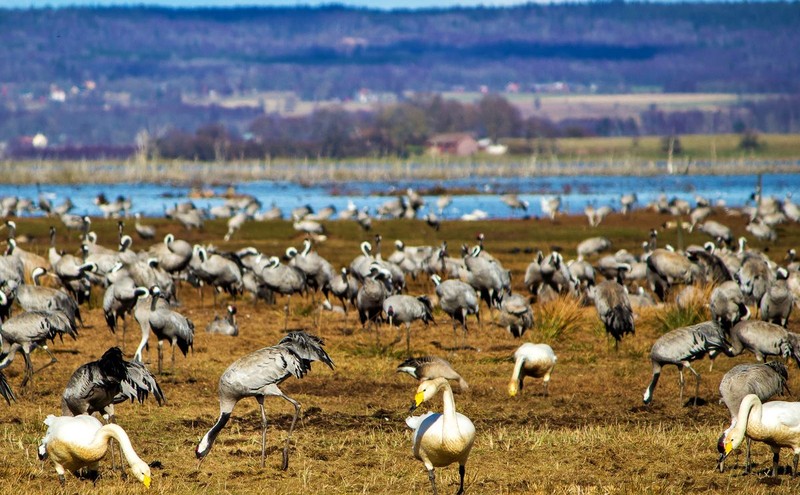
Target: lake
(483, 193)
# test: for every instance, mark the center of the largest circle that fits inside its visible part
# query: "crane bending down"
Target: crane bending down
(258, 375)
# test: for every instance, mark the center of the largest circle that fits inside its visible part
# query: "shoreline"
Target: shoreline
(188, 174)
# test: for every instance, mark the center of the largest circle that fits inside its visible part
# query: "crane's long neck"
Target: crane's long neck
(97, 449)
(153, 302)
(749, 416)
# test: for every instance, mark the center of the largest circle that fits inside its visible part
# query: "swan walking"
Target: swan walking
(441, 439)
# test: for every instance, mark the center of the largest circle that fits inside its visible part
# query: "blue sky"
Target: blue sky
(386, 4)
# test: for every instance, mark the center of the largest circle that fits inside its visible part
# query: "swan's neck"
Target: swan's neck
(449, 403)
(99, 444)
(517, 369)
(749, 417)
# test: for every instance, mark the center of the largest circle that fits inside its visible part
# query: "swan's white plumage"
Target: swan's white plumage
(441, 439)
(76, 442)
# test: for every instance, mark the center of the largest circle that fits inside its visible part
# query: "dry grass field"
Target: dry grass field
(592, 435)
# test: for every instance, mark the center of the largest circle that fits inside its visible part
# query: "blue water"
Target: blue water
(575, 192)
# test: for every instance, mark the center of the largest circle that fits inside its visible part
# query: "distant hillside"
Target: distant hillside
(139, 65)
(333, 51)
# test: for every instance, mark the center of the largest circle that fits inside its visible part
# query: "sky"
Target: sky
(379, 4)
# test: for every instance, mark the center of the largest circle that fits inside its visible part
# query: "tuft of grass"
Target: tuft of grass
(559, 317)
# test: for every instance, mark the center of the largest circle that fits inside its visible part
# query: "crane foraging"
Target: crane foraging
(258, 375)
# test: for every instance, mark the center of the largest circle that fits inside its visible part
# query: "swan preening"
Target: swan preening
(77, 442)
(441, 439)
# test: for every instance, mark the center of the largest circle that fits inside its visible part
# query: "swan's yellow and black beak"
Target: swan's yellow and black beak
(146, 481)
(728, 447)
(419, 398)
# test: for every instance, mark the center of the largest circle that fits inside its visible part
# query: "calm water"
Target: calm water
(575, 192)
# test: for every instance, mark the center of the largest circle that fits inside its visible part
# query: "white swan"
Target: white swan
(81, 441)
(441, 439)
(776, 423)
(536, 360)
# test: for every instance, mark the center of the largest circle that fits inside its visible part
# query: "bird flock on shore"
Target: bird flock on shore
(42, 298)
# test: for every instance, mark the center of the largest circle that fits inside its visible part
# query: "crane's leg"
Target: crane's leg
(285, 464)
(160, 355)
(53, 359)
(776, 455)
(432, 477)
(747, 456)
(696, 383)
(461, 471)
(680, 374)
(408, 339)
(286, 313)
(174, 344)
(794, 465)
(260, 400)
(28, 369)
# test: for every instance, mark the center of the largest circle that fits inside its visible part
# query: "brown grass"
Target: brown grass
(592, 435)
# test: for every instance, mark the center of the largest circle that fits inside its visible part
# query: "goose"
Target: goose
(76, 442)
(775, 423)
(258, 375)
(440, 439)
(536, 360)
(430, 367)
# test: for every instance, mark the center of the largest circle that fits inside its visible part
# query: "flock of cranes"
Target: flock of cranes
(143, 286)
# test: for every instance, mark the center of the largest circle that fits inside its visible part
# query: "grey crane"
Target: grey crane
(716, 230)
(484, 275)
(513, 202)
(430, 367)
(727, 304)
(680, 347)
(145, 232)
(98, 385)
(593, 245)
(555, 273)
(582, 271)
(235, 223)
(458, 300)
(318, 270)
(755, 277)
(5, 389)
(29, 330)
(763, 379)
(761, 231)
(165, 324)
(345, 288)
(403, 309)
(221, 273)
(715, 269)
(173, 255)
(284, 279)
(70, 270)
(373, 291)
(258, 375)
(533, 274)
(777, 303)
(119, 300)
(224, 325)
(627, 201)
(666, 268)
(762, 339)
(38, 298)
(614, 309)
(516, 315)
(360, 266)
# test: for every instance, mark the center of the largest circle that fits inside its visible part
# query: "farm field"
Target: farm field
(591, 435)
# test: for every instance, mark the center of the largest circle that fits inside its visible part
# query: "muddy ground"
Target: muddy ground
(592, 435)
